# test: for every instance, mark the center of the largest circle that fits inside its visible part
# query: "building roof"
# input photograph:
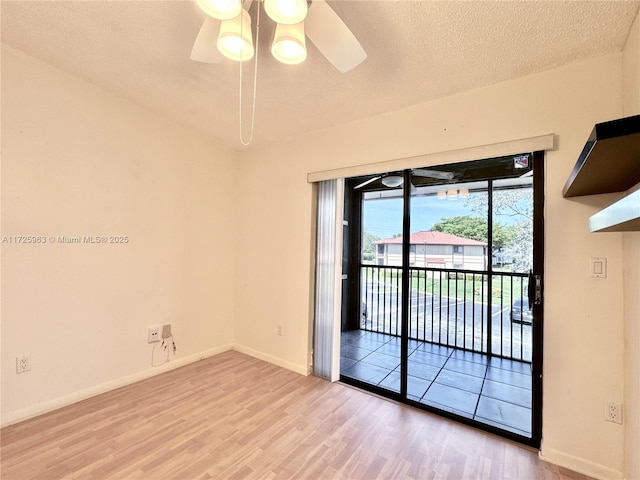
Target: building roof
(432, 238)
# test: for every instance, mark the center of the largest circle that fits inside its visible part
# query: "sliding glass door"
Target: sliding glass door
(371, 333)
(438, 309)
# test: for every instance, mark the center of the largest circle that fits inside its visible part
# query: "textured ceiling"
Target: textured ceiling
(417, 51)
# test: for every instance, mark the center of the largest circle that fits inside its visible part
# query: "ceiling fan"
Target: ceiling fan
(393, 180)
(321, 24)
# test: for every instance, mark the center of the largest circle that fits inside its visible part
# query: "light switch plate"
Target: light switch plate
(598, 267)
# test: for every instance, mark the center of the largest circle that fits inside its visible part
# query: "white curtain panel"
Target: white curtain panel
(326, 342)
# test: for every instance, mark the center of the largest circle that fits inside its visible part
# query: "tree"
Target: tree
(518, 204)
(476, 228)
(368, 249)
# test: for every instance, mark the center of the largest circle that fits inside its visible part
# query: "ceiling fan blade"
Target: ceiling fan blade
(332, 37)
(367, 182)
(423, 172)
(204, 48)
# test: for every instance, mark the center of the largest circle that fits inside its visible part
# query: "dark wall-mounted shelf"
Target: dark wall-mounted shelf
(609, 161)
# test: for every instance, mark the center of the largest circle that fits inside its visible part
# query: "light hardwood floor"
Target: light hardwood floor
(232, 416)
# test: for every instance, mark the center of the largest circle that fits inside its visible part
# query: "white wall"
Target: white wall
(631, 71)
(631, 105)
(77, 160)
(583, 316)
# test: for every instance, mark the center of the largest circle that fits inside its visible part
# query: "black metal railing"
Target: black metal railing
(466, 309)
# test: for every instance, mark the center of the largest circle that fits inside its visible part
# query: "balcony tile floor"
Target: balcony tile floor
(493, 391)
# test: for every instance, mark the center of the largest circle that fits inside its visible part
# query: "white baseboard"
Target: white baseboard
(50, 405)
(549, 455)
(301, 369)
(579, 465)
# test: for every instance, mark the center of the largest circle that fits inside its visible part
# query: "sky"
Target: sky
(383, 218)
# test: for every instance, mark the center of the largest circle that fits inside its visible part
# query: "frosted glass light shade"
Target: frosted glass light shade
(286, 11)
(442, 195)
(235, 40)
(464, 192)
(221, 9)
(392, 181)
(289, 44)
(452, 194)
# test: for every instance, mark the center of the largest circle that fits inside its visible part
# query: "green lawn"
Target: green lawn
(462, 286)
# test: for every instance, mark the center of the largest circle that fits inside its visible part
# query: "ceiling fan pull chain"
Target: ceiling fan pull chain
(255, 82)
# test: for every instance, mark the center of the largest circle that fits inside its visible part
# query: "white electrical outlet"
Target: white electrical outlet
(23, 364)
(613, 411)
(153, 333)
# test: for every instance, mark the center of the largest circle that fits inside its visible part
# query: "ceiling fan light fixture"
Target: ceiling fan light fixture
(286, 11)
(221, 9)
(464, 192)
(392, 181)
(235, 40)
(452, 194)
(289, 44)
(442, 195)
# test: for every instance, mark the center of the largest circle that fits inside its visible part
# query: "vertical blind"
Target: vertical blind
(327, 291)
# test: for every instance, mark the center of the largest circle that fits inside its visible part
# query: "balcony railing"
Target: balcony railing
(464, 309)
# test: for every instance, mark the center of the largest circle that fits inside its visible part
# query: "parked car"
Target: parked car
(521, 312)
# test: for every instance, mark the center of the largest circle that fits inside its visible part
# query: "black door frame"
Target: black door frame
(352, 293)
(538, 310)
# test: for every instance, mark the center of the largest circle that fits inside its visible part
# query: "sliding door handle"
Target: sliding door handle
(535, 290)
